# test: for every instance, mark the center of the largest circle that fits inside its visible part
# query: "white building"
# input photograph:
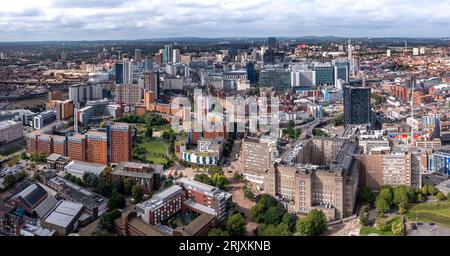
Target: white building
(10, 131)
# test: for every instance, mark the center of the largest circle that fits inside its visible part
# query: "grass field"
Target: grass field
(432, 212)
(155, 151)
(365, 231)
(153, 146)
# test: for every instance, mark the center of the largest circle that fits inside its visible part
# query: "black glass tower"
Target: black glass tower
(357, 109)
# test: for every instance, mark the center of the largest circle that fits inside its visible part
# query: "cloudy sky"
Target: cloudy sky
(25, 20)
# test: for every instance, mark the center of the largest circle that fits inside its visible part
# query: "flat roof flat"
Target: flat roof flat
(64, 213)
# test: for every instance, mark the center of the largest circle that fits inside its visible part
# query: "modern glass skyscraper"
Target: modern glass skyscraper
(357, 109)
(168, 53)
(251, 73)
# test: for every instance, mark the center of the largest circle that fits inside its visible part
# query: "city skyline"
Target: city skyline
(48, 20)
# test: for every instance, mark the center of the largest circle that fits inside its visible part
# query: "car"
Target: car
(432, 224)
(414, 227)
(419, 223)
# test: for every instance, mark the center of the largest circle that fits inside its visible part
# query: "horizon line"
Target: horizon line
(445, 38)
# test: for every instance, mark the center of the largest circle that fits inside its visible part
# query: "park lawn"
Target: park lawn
(365, 231)
(431, 212)
(153, 146)
(156, 160)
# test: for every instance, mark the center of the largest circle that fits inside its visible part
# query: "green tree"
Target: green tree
(440, 196)
(386, 194)
(402, 196)
(219, 180)
(397, 227)
(381, 205)
(136, 193)
(381, 224)
(103, 188)
(432, 190)
(273, 215)
(236, 225)
(274, 230)
(116, 201)
(90, 179)
(313, 224)
(128, 184)
(106, 222)
(217, 232)
(289, 219)
(204, 178)
(425, 190)
(364, 215)
(366, 196)
(257, 213)
(420, 198)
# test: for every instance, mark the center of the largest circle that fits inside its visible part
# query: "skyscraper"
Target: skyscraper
(137, 55)
(357, 109)
(168, 52)
(350, 57)
(272, 42)
(251, 73)
(176, 58)
(148, 64)
(127, 72)
(119, 73)
(119, 142)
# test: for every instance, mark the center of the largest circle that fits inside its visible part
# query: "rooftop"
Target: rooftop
(63, 213)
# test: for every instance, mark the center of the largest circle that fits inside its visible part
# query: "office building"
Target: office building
(10, 131)
(137, 55)
(341, 71)
(119, 73)
(257, 157)
(303, 78)
(168, 53)
(357, 108)
(272, 43)
(128, 94)
(324, 74)
(148, 64)
(64, 109)
(279, 79)
(82, 93)
(176, 57)
(97, 111)
(439, 162)
(386, 166)
(142, 174)
(251, 73)
(127, 72)
(44, 119)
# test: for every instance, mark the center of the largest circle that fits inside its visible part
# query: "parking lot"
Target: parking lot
(425, 229)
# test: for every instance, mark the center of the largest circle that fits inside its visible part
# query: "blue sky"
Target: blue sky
(24, 20)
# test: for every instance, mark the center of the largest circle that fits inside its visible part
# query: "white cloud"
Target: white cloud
(125, 19)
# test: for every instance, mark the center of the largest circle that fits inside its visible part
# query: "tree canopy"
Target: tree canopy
(313, 224)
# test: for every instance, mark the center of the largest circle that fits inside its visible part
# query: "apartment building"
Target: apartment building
(257, 157)
(162, 206)
(199, 196)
